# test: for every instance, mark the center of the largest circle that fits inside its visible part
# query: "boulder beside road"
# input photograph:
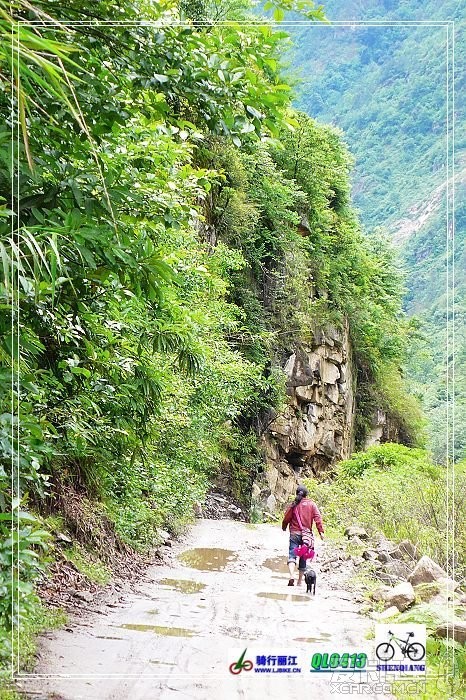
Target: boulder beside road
(427, 570)
(355, 531)
(401, 596)
(455, 630)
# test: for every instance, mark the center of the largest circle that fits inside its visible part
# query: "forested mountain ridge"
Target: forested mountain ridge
(385, 84)
(387, 79)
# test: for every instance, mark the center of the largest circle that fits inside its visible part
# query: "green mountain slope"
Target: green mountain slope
(389, 87)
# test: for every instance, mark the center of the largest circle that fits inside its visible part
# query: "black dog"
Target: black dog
(310, 578)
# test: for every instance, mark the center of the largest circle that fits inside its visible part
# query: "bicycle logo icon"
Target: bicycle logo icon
(415, 651)
(241, 665)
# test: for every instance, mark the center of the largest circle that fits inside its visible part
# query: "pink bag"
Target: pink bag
(304, 552)
(306, 549)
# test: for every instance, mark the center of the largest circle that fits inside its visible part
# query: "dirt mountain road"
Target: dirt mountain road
(176, 636)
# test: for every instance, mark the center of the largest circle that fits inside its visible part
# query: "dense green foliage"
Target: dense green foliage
(154, 250)
(386, 87)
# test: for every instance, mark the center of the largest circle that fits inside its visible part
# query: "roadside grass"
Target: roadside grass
(39, 619)
(88, 564)
(7, 690)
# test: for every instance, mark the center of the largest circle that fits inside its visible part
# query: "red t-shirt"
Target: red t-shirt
(309, 514)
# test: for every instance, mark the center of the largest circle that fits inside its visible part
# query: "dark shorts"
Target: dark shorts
(295, 541)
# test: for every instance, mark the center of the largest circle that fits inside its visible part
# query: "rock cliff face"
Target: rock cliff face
(317, 427)
(383, 429)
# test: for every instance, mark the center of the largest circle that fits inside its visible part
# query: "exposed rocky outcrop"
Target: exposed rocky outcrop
(317, 427)
(383, 429)
(220, 505)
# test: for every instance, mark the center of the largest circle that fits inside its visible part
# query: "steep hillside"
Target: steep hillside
(389, 87)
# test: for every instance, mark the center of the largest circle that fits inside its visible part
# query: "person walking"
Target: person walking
(300, 517)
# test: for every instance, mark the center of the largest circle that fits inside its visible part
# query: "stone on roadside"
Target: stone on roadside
(448, 583)
(407, 548)
(256, 492)
(427, 570)
(385, 545)
(455, 630)
(397, 568)
(271, 503)
(379, 593)
(386, 578)
(234, 509)
(165, 538)
(369, 555)
(384, 557)
(402, 596)
(357, 561)
(356, 541)
(355, 531)
(85, 596)
(61, 537)
(389, 612)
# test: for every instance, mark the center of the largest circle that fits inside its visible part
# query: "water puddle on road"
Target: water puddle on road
(165, 631)
(277, 564)
(284, 596)
(207, 559)
(183, 585)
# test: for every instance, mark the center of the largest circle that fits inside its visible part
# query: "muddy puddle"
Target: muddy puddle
(277, 564)
(183, 585)
(165, 631)
(284, 596)
(208, 558)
